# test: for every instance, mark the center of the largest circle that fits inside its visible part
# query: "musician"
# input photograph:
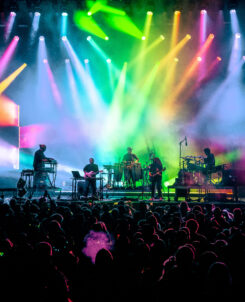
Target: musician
(209, 162)
(129, 159)
(40, 176)
(90, 172)
(155, 173)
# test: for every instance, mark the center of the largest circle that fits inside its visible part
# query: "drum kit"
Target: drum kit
(191, 172)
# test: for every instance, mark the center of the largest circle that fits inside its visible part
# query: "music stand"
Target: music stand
(76, 176)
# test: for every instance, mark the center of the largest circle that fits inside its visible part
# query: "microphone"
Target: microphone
(185, 140)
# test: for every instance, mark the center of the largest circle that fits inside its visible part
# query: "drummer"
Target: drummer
(128, 160)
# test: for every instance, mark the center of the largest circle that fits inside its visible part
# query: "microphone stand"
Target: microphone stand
(180, 151)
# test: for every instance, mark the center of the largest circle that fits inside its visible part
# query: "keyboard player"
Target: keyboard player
(40, 175)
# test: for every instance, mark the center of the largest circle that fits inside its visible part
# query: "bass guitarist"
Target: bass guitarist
(155, 173)
(90, 172)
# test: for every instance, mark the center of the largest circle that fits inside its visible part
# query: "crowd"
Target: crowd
(64, 251)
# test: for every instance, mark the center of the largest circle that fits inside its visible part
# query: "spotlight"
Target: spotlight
(89, 13)
(16, 38)
(64, 38)
(89, 38)
(219, 59)
(176, 60)
(211, 36)
(107, 38)
(41, 38)
(177, 12)
(203, 11)
(86, 61)
(45, 61)
(232, 11)
(67, 61)
(188, 36)
(149, 13)
(199, 59)
(64, 14)
(108, 61)
(238, 35)
(12, 14)
(162, 37)
(37, 14)
(143, 38)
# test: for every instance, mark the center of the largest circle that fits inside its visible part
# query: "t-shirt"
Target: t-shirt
(38, 160)
(91, 167)
(130, 157)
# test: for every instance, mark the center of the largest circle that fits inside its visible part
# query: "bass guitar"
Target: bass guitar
(91, 174)
(159, 172)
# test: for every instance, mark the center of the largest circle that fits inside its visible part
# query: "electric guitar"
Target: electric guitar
(157, 173)
(91, 174)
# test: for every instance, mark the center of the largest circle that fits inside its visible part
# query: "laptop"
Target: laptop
(77, 175)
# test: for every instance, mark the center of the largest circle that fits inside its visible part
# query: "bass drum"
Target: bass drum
(118, 172)
(137, 171)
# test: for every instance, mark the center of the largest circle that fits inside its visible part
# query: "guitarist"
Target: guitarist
(90, 172)
(155, 174)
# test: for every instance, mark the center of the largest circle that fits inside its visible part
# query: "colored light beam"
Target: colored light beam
(64, 18)
(55, 90)
(234, 22)
(146, 31)
(124, 24)
(149, 48)
(34, 27)
(100, 6)
(236, 52)
(87, 23)
(9, 25)
(203, 27)
(85, 78)
(174, 52)
(9, 113)
(169, 108)
(8, 54)
(5, 83)
(175, 31)
(74, 91)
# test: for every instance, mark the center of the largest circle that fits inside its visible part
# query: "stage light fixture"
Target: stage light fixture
(238, 35)
(16, 38)
(89, 38)
(203, 11)
(107, 38)
(177, 12)
(45, 61)
(211, 36)
(64, 14)
(143, 38)
(12, 14)
(37, 14)
(199, 59)
(86, 61)
(67, 61)
(108, 61)
(162, 37)
(188, 36)
(176, 59)
(219, 59)
(41, 38)
(232, 11)
(89, 13)
(64, 38)
(149, 13)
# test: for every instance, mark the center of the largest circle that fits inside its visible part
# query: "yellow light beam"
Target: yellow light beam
(175, 31)
(5, 83)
